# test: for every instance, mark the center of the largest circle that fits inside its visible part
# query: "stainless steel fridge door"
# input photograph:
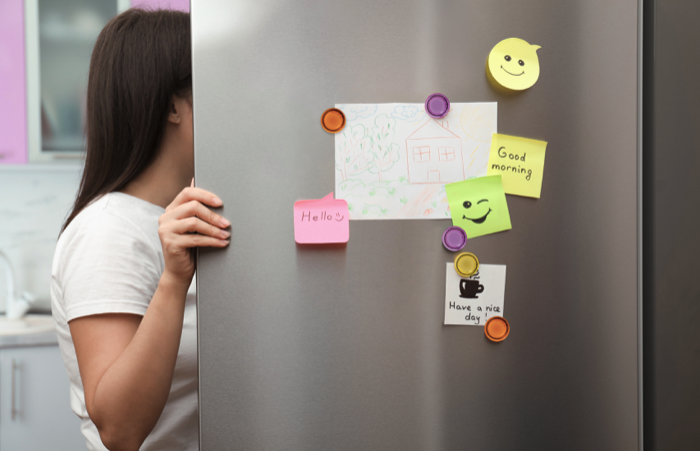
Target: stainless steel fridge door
(343, 347)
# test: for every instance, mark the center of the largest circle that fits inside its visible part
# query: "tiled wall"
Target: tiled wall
(34, 200)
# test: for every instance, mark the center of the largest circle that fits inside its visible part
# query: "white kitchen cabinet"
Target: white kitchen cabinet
(59, 38)
(35, 412)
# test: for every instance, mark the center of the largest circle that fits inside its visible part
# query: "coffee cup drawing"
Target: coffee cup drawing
(470, 288)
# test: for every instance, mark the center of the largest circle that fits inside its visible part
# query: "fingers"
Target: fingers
(196, 225)
(188, 233)
(198, 194)
(195, 240)
(194, 208)
(188, 223)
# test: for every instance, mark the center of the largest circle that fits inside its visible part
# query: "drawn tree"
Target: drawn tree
(353, 152)
(385, 152)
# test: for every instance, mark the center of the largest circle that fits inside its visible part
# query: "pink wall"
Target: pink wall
(180, 5)
(13, 112)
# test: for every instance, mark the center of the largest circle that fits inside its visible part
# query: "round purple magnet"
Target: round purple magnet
(454, 238)
(437, 105)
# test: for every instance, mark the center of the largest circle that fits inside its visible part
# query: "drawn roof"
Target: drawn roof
(432, 130)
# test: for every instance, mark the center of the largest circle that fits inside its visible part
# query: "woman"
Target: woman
(124, 263)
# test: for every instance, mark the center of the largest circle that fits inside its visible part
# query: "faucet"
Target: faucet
(15, 307)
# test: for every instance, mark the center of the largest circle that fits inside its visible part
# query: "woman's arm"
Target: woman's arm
(126, 361)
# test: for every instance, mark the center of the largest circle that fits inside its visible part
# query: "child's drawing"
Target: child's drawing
(434, 155)
(392, 160)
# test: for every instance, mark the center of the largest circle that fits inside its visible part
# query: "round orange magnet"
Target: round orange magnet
(466, 264)
(496, 328)
(332, 120)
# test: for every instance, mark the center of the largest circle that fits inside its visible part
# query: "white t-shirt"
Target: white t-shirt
(109, 260)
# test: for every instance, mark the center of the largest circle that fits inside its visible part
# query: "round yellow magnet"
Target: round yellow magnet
(466, 264)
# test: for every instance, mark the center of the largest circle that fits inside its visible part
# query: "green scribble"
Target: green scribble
(351, 184)
(404, 200)
(353, 149)
(385, 152)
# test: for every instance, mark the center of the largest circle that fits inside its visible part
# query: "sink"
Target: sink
(29, 324)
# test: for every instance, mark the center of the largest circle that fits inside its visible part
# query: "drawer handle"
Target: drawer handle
(14, 411)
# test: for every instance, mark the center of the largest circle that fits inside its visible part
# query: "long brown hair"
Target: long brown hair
(140, 60)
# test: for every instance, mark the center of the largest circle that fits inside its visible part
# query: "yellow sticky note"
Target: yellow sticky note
(513, 64)
(520, 162)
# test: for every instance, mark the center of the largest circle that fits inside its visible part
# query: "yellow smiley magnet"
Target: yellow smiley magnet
(513, 64)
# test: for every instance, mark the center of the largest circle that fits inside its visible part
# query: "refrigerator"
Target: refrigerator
(344, 346)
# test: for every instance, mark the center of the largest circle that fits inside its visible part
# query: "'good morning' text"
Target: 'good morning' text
(515, 157)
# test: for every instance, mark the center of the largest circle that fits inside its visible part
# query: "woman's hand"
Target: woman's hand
(187, 224)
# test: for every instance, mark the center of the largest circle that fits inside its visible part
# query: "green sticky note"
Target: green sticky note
(479, 205)
(521, 163)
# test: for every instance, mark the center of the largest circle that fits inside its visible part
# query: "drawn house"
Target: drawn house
(434, 155)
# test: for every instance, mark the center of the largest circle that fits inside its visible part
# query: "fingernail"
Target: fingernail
(216, 201)
(224, 234)
(224, 242)
(224, 222)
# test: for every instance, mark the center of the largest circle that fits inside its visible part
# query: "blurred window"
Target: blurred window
(68, 30)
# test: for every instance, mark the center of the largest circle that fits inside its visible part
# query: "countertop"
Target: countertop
(32, 339)
(43, 335)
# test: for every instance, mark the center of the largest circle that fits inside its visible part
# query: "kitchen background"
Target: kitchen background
(37, 196)
(34, 199)
(34, 202)
(45, 47)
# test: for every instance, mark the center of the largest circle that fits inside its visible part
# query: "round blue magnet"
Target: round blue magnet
(437, 105)
(454, 238)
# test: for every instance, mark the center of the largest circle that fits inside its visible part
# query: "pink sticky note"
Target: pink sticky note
(321, 221)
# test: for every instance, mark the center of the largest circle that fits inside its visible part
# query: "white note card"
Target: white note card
(473, 300)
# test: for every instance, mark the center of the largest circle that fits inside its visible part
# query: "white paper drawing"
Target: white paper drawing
(472, 300)
(392, 160)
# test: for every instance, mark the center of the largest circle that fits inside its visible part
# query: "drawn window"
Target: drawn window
(421, 154)
(446, 153)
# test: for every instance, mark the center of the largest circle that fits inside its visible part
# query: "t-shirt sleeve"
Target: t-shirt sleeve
(108, 266)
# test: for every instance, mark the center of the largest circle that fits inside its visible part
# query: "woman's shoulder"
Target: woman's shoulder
(116, 213)
(98, 219)
(107, 260)
(114, 220)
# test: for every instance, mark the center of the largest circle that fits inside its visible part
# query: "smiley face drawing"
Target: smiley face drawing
(479, 219)
(478, 205)
(513, 64)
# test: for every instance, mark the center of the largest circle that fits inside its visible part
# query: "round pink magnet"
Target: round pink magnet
(454, 238)
(437, 105)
